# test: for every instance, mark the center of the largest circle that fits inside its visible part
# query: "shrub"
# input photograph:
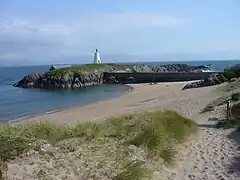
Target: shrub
(232, 72)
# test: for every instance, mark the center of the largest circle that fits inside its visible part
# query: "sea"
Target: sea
(18, 103)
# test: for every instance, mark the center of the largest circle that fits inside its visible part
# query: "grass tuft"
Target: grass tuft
(132, 170)
(161, 131)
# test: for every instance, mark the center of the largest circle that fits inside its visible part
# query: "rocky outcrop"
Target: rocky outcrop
(68, 80)
(29, 80)
(75, 77)
(178, 68)
(142, 68)
(210, 81)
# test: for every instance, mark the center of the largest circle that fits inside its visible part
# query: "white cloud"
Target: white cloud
(45, 38)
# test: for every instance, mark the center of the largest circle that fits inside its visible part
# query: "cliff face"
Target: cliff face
(89, 75)
(71, 77)
(68, 80)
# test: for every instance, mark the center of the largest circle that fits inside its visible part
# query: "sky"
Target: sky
(69, 31)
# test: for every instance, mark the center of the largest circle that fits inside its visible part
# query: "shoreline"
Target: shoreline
(29, 117)
(138, 97)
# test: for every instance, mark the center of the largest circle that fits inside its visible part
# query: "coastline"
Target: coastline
(31, 118)
(138, 98)
(71, 99)
(208, 155)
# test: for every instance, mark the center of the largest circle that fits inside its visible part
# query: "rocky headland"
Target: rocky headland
(229, 74)
(92, 74)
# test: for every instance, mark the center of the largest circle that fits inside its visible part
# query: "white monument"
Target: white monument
(97, 59)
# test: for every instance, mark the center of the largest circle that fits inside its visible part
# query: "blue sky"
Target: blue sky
(64, 31)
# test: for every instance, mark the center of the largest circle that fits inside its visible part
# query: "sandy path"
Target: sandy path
(208, 156)
(213, 155)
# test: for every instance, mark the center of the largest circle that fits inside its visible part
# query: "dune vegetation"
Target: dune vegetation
(120, 148)
(230, 91)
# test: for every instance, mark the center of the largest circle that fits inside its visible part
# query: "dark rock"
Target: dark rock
(29, 81)
(142, 68)
(178, 68)
(221, 78)
(131, 80)
(112, 80)
(69, 80)
(210, 81)
(90, 77)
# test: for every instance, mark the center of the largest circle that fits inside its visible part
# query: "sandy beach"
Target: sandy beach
(209, 156)
(142, 97)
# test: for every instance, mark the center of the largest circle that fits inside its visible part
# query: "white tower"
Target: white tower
(97, 59)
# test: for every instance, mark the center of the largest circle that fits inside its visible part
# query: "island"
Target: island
(94, 74)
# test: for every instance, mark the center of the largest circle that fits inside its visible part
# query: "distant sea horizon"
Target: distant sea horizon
(18, 102)
(189, 62)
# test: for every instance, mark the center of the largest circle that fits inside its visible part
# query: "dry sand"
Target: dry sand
(143, 97)
(211, 155)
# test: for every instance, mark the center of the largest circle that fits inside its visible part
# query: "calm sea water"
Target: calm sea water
(18, 102)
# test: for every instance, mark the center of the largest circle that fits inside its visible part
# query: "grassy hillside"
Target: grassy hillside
(122, 148)
(87, 67)
(63, 71)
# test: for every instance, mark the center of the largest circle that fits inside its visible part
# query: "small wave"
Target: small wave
(53, 111)
(207, 70)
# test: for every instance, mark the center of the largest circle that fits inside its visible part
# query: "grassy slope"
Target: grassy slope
(156, 133)
(63, 71)
(227, 90)
(232, 88)
(86, 67)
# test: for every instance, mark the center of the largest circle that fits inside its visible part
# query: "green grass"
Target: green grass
(149, 129)
(132, 170)
(66, 70)
(87, 67)
(158, 132)
(231, 72)
(230, 91)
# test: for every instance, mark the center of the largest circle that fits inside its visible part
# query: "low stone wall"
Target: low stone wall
(155, 77)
